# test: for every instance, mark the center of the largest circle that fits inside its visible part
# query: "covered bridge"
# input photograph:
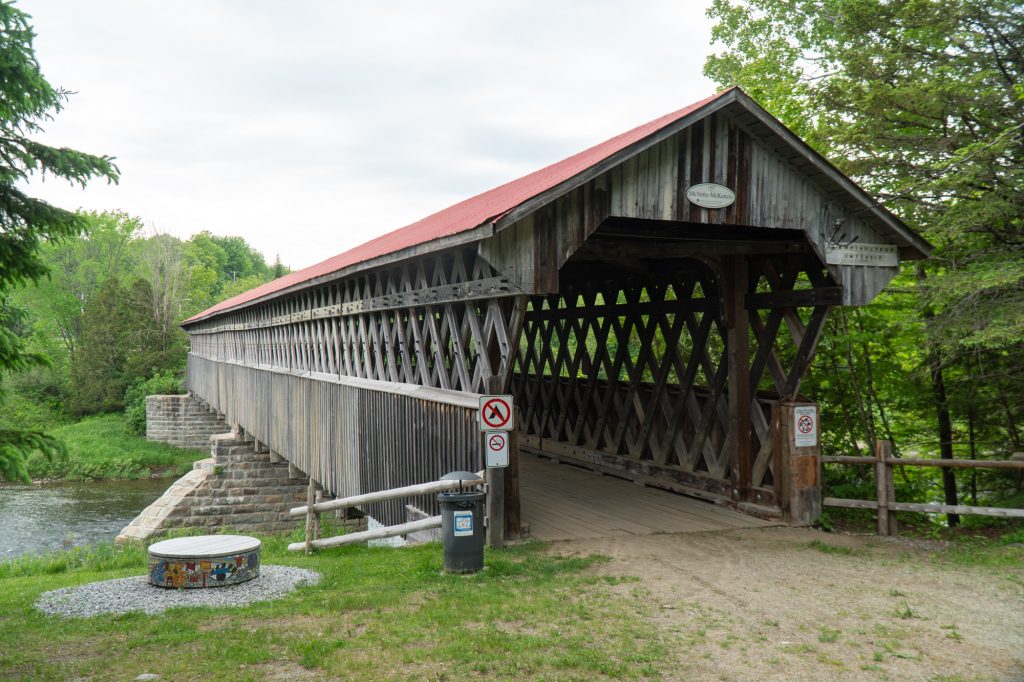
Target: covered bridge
(647, 302)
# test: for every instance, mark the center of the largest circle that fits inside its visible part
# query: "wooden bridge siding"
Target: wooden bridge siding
(770, 193)
(448, 321)
(352, 436)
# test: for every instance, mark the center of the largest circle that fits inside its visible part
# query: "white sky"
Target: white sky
(310, 127)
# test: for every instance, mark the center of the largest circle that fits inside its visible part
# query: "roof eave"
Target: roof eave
(916, 246)
(465, 237)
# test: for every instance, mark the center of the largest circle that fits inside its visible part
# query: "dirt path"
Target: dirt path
(793, 604)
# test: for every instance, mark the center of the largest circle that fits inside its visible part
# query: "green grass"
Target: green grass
(378, 613)
(104, 447)
(826, 548)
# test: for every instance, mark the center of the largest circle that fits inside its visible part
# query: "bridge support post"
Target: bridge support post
(797, 461)
(737, 323)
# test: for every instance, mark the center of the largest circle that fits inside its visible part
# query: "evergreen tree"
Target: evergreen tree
(26, 101)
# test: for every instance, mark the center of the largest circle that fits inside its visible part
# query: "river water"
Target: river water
(39, 518)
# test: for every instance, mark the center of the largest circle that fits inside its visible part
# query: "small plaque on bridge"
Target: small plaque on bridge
(878, 255)
(496, 449)
(496, 413)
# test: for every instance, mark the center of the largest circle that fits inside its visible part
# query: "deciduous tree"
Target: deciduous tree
(922, 101)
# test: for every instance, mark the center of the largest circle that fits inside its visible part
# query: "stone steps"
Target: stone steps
(181, 421)
(237, 488)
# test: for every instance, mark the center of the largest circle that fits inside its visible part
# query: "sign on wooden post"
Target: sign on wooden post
(496, 449)
(797, 462)
(496, 413)
(805, 426)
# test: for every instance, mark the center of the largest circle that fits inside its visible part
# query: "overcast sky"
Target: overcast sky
(309, 127)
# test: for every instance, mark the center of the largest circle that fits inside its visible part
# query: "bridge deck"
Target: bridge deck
(563, 502)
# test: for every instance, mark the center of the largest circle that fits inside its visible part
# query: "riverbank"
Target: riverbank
(103, 447)
(44, 517)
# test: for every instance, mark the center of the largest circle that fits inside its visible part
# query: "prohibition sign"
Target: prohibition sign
(805, 426)
(497, 449)
(496, 413)
(497, 441)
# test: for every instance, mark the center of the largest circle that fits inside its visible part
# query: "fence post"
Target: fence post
(883, 479)
(310, 501)
(890, 488)
(317, 499)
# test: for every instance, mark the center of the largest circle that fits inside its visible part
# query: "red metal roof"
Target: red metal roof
(484, 208)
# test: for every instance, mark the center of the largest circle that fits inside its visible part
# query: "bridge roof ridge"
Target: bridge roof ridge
(483, 209)
(476, 217)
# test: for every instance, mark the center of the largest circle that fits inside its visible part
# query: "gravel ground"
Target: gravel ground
(136, 594)
(793, 604)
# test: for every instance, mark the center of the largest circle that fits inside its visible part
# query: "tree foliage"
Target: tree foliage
(922, 102)
(27, 101)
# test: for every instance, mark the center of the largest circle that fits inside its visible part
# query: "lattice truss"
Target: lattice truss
(446, 321)
(629, 365)
(798, 292)
(638, 365)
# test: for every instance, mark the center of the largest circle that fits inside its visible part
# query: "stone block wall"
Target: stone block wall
(237, 488)
(181, 421)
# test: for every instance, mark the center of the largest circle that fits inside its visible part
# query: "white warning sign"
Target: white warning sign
(805, 426)
(496, 449)
(496, 413)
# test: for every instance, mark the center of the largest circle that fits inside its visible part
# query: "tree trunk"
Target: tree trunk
(850, 430)
(866, 418)
(974, 455)
(945, 429)
(1011, 423)
(945, 422)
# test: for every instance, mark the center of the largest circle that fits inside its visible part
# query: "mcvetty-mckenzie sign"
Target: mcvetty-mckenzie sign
(710, 195)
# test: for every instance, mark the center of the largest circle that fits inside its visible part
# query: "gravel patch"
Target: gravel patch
(136, 594)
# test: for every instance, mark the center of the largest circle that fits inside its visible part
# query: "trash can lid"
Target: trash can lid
(461, 476)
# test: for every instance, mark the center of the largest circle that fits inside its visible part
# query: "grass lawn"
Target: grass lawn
(104, 447)
(377, 613)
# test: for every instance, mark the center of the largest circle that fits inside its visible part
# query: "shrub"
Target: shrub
(161, 383)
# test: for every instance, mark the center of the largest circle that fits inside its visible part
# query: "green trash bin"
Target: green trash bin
(462, 526)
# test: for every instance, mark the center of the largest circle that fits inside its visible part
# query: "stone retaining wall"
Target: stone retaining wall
(181, 421)
(237, 488)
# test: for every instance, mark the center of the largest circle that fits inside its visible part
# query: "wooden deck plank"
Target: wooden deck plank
(552, 479)
(642, 501)
(587, 516)
(635, 517)
(563, 502)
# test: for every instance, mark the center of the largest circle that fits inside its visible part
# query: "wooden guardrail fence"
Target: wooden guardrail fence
(351, 435)
(313, 510)
(885, 502)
